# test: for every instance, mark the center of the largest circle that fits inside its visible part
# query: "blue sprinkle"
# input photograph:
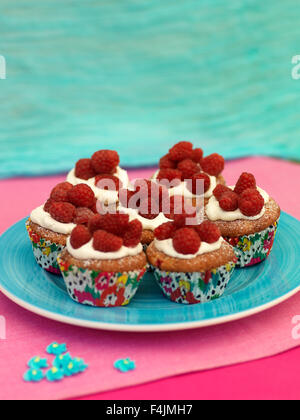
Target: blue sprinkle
(74, 367)
(80, 364)
(33, 375)
(54, 374)
(124, 365)
(63, 365)
(62, 360)
(37, 363)
(56, 349)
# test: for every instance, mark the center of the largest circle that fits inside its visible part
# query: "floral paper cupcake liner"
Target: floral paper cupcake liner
(191, 288)
(253, 249)
(100, 289)
(44, 251)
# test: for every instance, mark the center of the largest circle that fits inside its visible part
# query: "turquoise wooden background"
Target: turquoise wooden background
(138, 75)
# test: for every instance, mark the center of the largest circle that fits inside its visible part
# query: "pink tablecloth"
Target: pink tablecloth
(169, 353)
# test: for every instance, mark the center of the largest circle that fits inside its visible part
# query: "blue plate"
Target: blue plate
(250, 291)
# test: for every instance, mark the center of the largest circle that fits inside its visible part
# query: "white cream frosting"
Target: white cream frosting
(148, 224)
(104, 196)
(214, 211)
(87, 252)
(42, 218)
(166, 246)
(182, 189)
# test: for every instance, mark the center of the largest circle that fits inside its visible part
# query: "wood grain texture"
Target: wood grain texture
(138, 75)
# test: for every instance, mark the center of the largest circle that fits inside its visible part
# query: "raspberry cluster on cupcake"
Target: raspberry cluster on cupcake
(102, 173)
(103, 262)
(191, 263)
(151, 204)
(144, 201)
(247, 218)
(184, 165)
(50, 224)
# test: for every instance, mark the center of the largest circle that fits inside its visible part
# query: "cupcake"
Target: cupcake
(151, 204)
(184, 165)
(247, 218)
(50, 224)
(102, 174)
(192, 264)
(103, 263)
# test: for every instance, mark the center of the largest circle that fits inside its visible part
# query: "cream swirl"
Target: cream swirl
(44, 219)
(182, 188)
(87, 252)
(109, 197)
(148, 224)
(166, 246)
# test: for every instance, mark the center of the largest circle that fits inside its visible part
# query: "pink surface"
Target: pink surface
(167, 353)
(272, 378)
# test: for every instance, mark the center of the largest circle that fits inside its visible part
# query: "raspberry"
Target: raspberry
(48, 205)
(250, 192)
(177, 204)
(213, 164)
(173, 205)
(115, 223)
(181, 150)
(166, 163)
(108, 182)
(188, 168)
(81, 195)
(149, 190)
(180, 220)
(149, 209)
(169, 175)
(229, 201)
(165, 231)
(245, 181)
(62, 212)
(163, 195)
(152, 212)
(197, 155)
(195, 187)
(95, 223)
(208, 232)
(220, 190)
(84, 170)
(105, 161)
(106, 242)
(149, 216)
(147, 198)
(144, 187)
(80, 236)
(186, 241)
(251, 202)
(60, 192)
(132, 236)
(83, 215)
